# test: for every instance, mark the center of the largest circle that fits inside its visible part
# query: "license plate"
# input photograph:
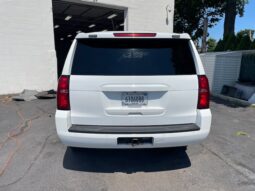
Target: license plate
(134, 98)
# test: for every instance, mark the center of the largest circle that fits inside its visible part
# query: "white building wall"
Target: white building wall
(208, 61)
(227, 70)
(27, 52)
(142, 15)
(222, 68)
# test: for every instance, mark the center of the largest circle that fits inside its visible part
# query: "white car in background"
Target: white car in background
(132, 90)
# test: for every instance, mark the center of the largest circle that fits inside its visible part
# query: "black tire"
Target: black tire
(75, 149)
(183, 148)
(180, 149)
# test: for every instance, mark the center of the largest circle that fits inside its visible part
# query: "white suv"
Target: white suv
(132, 90)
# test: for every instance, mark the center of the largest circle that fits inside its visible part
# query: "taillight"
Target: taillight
(63, 102)
(135, 34)
(203, 93)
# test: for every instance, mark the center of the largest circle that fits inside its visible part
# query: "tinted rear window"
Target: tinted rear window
(138, 57)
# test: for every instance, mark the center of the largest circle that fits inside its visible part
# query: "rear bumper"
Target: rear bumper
(90, 139)
(158, 129)
(110, 141)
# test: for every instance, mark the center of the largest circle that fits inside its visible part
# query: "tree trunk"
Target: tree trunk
(204, 37)
(230, 17)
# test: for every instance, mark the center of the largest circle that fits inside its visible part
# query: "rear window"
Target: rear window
(137, 57)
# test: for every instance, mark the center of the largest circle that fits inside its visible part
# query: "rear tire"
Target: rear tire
(183, 148)
(75, 149)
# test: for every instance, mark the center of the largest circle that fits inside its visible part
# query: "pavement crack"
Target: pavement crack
(13, 135)
(44, 111)
(31, 164)
(250, 175)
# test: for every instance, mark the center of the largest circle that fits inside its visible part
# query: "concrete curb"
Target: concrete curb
(234, 100)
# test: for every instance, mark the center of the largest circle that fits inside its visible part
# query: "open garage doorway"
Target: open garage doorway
(71, 17)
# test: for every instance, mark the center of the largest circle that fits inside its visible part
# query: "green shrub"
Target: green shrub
(229, 42)
(240, 41)
(220, 46)
(244, 44)
(253, 45)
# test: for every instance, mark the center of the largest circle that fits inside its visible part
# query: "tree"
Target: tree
(230, 42)
(190, 16)
(244, 39)
(230, 17)
(220, 46)
(246, 32)
(227, 44)
(187, 16)
(253, 45)
(211, 44)
(244, 44)
(232, 8)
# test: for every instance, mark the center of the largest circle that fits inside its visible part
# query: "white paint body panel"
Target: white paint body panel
(96, 100)
(107, 141)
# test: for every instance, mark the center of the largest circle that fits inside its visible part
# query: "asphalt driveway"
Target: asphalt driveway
(32, 157)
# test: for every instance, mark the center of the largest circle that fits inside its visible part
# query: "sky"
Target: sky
(245, 22)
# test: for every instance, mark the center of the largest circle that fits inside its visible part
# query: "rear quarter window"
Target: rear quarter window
(138, 57)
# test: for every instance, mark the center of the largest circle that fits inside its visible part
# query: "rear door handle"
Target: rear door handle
(135, 113)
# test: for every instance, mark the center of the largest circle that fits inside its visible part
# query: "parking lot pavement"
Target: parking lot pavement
(32, 157)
